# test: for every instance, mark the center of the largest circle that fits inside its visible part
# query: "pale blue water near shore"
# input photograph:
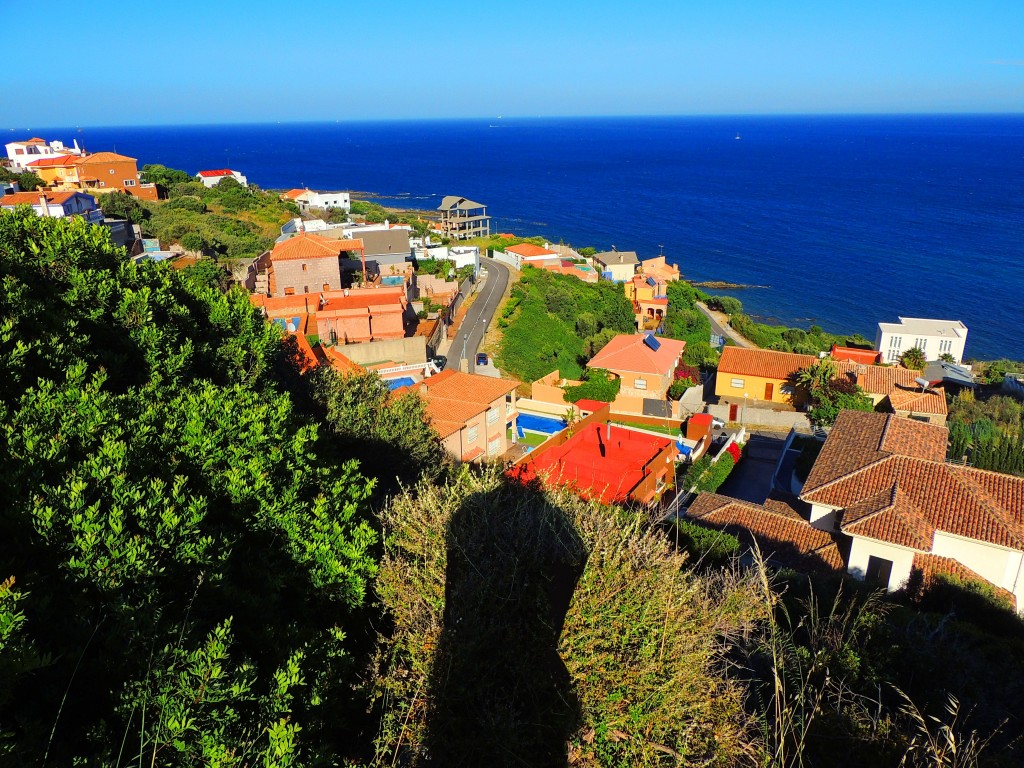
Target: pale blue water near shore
(849, 220)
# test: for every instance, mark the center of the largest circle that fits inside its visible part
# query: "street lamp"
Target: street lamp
(465, 340)
(743, 416)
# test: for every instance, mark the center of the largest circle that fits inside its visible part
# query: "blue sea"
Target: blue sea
(848, 220)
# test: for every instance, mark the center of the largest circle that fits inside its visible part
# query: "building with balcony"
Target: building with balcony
(22, 153)
(934, 338)
(462, 219)
(56, 204)
(472, 414)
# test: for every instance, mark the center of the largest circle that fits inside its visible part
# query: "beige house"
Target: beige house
(462, 219)
(644, 364)
(308, 263)
(471, 413)
(619, 266)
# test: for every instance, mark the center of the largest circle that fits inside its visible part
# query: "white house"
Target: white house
(56, 204)
(213, 178)
(21, 153)
(619, 266)
(933, 337)
(308, 198)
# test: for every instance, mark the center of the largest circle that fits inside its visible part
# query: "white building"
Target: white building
(56, 204)
(21, 153)
(325, 201)
(933, 337)
(213, 178)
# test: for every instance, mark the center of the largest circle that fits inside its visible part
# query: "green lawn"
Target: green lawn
(670, 431)
(529, 438)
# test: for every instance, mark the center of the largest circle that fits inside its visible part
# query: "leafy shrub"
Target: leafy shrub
(703, 476)
(727, 304)
(597, 384)
(709, 547)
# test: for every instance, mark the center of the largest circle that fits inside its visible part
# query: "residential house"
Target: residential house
(760, 377)
(325, 201)
(602, 461)
(619, 266)
(21, 153)
(881, 502)
(855, 355)
(883, 481)
(472, 414)
(648, 296)
(362, 314)
(528, 253)
(933, 337)
(659, 269)
(56, 170)
(462, 219)
(308, 263)
(645, 366)
(215, 177)
(98, 173)
(56, 204)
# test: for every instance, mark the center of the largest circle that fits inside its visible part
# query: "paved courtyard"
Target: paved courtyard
(751, 480)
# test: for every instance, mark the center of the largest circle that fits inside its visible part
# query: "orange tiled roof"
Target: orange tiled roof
(340, 362)
(780, 529)
(931, 566)
(527, 250)
(628, 352)
(50, 162)
(32, 198)
(931, 401)
(308, 246)
(765, 363)
(452, 398)
(855, 355)
(104, 157)
(889, 477)
(217, 172)
(291, 194)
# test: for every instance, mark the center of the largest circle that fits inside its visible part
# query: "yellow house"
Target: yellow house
(650, 304)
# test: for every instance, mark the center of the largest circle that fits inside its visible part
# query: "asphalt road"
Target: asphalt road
(473, 328)
(723, 330)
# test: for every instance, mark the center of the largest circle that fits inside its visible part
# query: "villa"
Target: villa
(215, 177)
(462, 219)
(933, 337)
(645, 366)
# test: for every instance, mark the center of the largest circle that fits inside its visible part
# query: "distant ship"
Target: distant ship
(738, 137)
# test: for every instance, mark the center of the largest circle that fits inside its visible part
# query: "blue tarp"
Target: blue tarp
(543, 424)
(683, 449)
(404, 381)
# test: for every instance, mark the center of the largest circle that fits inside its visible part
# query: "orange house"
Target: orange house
(100, 172)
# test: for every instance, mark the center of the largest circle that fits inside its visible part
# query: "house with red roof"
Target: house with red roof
(602, 461)
(309, 263)
(882, 491)
(309, 198)
(362, 314)
(21, 153)
(644, 365)
(56, 204)
(214, 177)
(471, 413)
(762, 377)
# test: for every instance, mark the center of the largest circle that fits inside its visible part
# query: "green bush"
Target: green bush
(597, 384)
(709, 547)
(727, 304)
(705, 477)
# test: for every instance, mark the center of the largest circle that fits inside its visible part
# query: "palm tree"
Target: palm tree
(913, 359)
(817, 377)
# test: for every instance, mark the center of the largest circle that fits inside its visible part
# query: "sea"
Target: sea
(840, 221)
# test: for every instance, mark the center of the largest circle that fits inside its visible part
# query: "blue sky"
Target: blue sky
(215, 62)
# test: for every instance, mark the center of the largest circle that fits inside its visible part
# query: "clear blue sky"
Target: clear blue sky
(225, 61)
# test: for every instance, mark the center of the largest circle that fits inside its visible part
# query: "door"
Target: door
(879, 570)
(733, 412)
(769, 390)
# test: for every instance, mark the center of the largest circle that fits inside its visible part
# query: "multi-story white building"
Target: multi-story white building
(462, 219)
(21, 153)
(933, 337)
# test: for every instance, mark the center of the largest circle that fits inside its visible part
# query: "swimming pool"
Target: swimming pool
(392, 280)
(545, 425)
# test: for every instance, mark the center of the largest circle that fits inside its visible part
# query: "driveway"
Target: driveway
(474, 326)
(720, 326)
(751, 479)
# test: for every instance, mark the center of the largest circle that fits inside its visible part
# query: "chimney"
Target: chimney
(43, 205)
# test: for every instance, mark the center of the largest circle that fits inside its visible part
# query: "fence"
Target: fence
(764, 417)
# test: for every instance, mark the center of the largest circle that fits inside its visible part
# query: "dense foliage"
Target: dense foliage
(559, 322)
(686, 322)
(181, 557)
(528, 622)
(27, 181)
(596, 384)
(826, 393)
(987, 432)
(703, 476)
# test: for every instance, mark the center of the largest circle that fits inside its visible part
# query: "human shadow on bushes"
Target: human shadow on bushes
(500, 693)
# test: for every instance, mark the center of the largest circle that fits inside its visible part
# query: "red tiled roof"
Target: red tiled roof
(889, 476)
(781, 530)
(453, 398)
(218, 172)
(291, 194)
(628, 352)
(766, 363)
(307, 246)
(855, 355)
(527, 250)
(50, 162)
(932, 566)
(32, 198)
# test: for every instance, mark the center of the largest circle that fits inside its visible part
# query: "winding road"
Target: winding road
(474, 326)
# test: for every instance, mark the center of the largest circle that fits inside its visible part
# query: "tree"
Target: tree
(913, 359)
(190, 551)
(30, 182)
(121, 205)
(947, 358)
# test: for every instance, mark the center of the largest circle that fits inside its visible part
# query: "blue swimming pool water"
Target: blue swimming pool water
(543, 424)
(392, 280)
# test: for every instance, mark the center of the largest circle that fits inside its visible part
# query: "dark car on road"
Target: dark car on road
(440, 361)
(481, 359)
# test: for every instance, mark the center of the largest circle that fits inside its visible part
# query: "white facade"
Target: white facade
(1001, 566)
(933, 337)
(77, 204)
(862, 550)
(212, 181)
(324, 200)
(21, 153)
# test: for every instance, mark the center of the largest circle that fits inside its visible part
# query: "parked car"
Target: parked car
(440, 361)
(717, 423)
(481, 359)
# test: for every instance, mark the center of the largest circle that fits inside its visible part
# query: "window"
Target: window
(492, 415)
(305, 268)
(879, 570)
(895, 342)
(920, 343)
(736, 383)
(305, 289)
(327, 286)
(103, 183)
(640, 384)
(494, 445)
(289, 291)
(129, 182)
(472, 433)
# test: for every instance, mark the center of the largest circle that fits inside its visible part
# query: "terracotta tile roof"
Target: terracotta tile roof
(766, 363)
(292, 194)
(32, 198)
(217, 172)
(307, 246)
(889, 476)
(275, 306)
(527, 250)
(855, 355)
(340, 362)
(50, 162)
(104, 157)
(932, 566)
(916, 401)
(780, 528)
(468, 387)
(628, 352)
(380, 300)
